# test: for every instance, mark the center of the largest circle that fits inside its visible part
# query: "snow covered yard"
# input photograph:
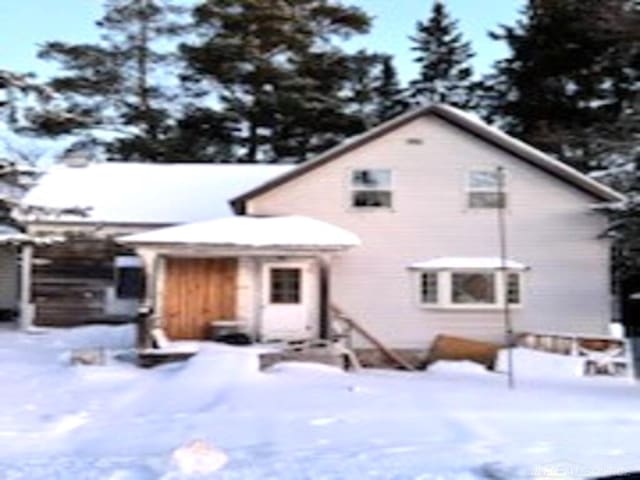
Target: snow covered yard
(301, 421)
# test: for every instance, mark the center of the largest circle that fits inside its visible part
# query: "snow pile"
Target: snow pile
(534, 363)
(198, 457)
(218, 416)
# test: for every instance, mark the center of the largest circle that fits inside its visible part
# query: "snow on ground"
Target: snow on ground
(301, 421)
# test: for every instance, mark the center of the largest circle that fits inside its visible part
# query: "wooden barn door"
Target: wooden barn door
(198, 291)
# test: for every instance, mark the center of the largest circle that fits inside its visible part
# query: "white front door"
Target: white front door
(286, 298)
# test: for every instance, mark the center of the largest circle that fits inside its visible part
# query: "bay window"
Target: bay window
(469, 289)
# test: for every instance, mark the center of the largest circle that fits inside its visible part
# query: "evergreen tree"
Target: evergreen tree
(374, 92)
(445, 74)
(313, 111)
(116, 84)
(278, 77)
(568, 79)
(571, 87)
(361, 95)
(390, 97)
(20, 97)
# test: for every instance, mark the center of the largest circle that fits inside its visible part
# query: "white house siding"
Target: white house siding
(550, 228)
(8, 278)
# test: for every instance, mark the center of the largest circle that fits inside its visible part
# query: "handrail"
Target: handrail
(390, 354)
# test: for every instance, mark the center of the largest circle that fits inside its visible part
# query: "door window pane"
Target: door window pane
(285, 285)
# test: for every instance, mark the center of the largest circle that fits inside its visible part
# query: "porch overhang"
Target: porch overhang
(247, 235)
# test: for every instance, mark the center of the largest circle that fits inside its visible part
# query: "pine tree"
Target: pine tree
(571, 87)
(116, 84)
(374, 92)
(567, 80)
(278, 76)
(361, 95)
(391, 97)
(445, 74)
(19, 92)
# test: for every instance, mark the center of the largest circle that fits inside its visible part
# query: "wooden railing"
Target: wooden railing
(603, 354)
(354, 327)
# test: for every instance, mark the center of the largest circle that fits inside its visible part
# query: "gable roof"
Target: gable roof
(144, 193)
(460, 119)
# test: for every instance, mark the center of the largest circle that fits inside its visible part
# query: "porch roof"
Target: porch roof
(480, 263)
(251, 232)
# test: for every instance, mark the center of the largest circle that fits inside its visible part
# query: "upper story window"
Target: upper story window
(484, 189)
(371, 188)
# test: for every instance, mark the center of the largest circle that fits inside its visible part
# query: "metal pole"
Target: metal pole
(502, 234)
(324, 285)
(26, 307)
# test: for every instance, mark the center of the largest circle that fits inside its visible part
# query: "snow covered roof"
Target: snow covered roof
(9, 235)
(479, 263)
(12, 236)
(144, 192)
(465, 121)
(251, 232)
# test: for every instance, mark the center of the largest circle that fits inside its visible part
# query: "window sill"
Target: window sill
(371, 209)
(469, 308)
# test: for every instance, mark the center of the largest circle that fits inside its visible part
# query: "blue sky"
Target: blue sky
(24, 24)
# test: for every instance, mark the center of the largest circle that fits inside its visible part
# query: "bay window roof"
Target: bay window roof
(468, 263)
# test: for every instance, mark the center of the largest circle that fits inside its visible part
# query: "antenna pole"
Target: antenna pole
(506, 313)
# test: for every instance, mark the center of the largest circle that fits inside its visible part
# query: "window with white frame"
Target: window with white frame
(286, 285)
(429, 288)
(473, 288)
(129, 277)
(469, 288)
(485, 189)
(371, 188)
(513, 288)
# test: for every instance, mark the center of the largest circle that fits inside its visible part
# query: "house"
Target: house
(398, 228)
(79, 274)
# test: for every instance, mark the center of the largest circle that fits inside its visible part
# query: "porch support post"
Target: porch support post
(147, 314)
(26, 308)
(325, 298)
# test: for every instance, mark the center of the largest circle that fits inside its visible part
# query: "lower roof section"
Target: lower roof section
(250, 232)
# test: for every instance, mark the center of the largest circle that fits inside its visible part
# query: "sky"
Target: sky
(25, 24)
